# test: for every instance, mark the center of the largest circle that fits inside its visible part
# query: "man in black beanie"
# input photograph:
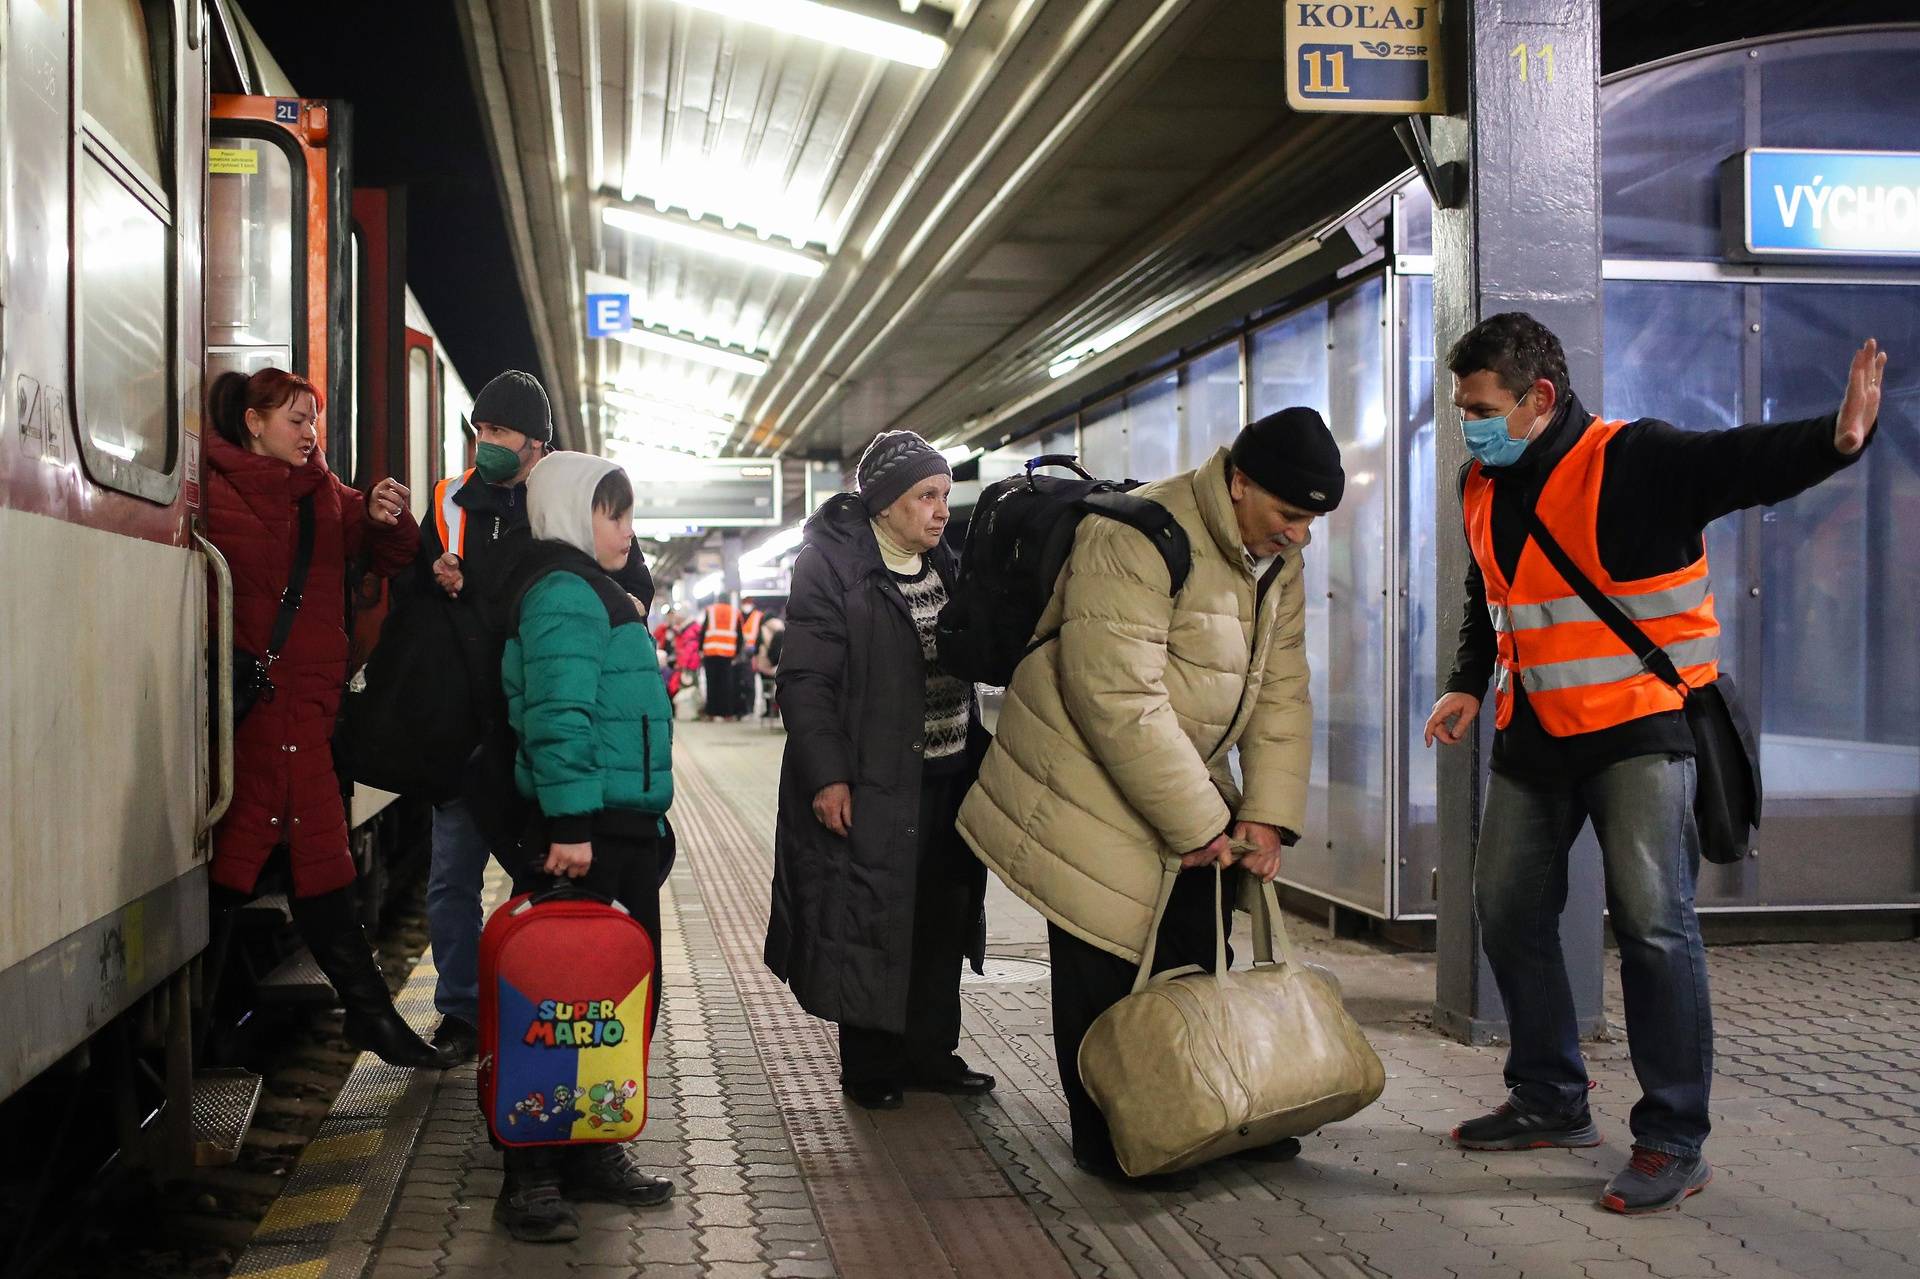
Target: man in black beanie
(1110, 760)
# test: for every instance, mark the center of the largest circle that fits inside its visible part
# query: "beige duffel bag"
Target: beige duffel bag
(1194, 1065)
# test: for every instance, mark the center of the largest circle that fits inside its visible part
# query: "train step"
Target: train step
(297, 979)
(223, 1104)
(274, 904)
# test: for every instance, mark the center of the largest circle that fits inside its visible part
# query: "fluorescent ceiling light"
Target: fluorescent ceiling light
(834, 26)
(648, 409)
(773, 548)
(1111, 338)
(686, 349)
(959, 454)
(708, 585)
(723, 244)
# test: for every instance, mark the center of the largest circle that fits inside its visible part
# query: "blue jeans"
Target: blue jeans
(1642, 811)
(454, 916)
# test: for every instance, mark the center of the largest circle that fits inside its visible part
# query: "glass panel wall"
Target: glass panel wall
(1209, 404)
(1153, 430)
(1841, 704)
(1103, 439)
(1420, 644)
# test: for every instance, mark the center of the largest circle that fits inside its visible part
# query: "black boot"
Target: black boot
(339, 945)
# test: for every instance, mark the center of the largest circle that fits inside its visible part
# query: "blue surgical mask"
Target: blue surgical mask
(1488, 440)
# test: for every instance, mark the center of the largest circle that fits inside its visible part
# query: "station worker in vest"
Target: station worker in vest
(719, 645)
(1586, 733)
(1110, 768)
(460, 555)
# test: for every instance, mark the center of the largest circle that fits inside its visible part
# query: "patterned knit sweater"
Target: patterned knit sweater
(948, 699)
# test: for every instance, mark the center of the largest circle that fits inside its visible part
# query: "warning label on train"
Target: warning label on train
(232, 160)
(1387, 57)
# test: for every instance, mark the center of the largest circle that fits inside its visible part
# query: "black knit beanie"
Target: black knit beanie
(1291, 454)
(892, 464)
(516, 401)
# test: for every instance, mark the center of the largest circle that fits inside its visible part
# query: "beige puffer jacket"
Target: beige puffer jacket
(1111, 754)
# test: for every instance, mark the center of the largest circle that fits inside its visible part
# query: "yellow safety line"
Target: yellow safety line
(353, 1145)
(290, 1212)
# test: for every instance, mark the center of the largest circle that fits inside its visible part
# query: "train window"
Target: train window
(122, 43)
(124, 256)
(122, 259)
(251, 276)
(419, 409)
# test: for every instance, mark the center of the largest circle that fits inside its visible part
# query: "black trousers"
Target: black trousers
(627, 868)
(1087, 981)
(720, 682)
(942, 920)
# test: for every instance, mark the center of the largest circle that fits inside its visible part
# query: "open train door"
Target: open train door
(279, 271)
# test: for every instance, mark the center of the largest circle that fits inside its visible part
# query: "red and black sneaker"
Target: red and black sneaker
(1510, 1129)
(1655, 1180)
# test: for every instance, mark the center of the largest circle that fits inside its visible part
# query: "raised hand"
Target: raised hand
(1860, 407)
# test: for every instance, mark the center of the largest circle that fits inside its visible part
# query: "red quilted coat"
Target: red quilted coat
(285, 791)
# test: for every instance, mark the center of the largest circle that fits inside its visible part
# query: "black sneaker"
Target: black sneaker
(603, 1174)
(1278, 1152)
(1654, 1180)
(533, 1211)
(456, 1039)
(1510, 1129)
(875, 1095)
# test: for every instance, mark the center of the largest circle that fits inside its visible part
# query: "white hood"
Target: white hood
(560, 497)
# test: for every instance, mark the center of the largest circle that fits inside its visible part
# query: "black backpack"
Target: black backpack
(1017, 542)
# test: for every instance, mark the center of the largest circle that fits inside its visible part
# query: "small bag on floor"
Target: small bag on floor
(1194, 1065)
(566, 996)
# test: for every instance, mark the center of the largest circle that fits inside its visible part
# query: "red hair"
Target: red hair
(233, 393)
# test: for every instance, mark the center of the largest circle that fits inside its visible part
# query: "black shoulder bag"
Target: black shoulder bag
(1726, 801)
(252, 681)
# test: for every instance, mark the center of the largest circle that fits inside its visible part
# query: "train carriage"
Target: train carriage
(172, 208)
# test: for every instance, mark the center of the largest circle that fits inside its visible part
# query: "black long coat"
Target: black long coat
(852, 694)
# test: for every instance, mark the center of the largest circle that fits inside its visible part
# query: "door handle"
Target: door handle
(223, 685)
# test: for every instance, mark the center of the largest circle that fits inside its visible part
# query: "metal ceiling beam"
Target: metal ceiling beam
(1070, 85)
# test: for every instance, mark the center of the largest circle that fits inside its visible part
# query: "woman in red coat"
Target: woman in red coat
(263, 461)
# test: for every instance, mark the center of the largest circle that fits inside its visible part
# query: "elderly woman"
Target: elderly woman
(875, 898)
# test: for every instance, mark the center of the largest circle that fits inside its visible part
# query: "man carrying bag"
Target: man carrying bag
(1589, 606)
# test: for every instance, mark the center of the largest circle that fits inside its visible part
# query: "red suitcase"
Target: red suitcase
(566, 1015)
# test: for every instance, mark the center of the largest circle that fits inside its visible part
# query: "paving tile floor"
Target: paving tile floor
(1816, 1144)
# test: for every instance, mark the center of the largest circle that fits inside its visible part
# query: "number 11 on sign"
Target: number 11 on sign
(1326, 72)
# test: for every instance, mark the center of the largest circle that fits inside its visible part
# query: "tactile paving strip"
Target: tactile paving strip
(325, 1223)
(875, 1179)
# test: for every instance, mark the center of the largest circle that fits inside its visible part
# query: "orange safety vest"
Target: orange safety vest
(722, 631)
(750, 629)
(1578, 675)
(449, 516)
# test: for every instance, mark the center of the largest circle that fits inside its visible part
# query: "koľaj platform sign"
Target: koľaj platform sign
(1387, 57)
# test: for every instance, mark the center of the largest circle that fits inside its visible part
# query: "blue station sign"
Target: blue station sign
(1791, 203)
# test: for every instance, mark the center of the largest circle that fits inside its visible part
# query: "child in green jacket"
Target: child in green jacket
(594, 724)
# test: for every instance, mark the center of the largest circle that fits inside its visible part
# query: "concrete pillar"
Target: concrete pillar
(730, 565)
(1524, 235)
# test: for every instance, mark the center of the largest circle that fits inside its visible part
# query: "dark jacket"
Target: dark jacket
(1660, 487)
(852, 692)
(433, 681)
(285, 790)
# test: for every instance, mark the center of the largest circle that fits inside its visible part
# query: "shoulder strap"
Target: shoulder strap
(620, 609)
(1153, 521)
(1651, 655)
(296, 582)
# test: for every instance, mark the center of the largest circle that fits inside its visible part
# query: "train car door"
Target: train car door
(279, 264)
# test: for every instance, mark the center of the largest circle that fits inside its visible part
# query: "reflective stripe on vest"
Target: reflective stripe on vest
(722, 633)
(1579, 676)
(449, 516)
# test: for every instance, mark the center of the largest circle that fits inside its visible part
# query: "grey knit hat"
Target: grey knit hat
(892, 464)
(516, 401)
